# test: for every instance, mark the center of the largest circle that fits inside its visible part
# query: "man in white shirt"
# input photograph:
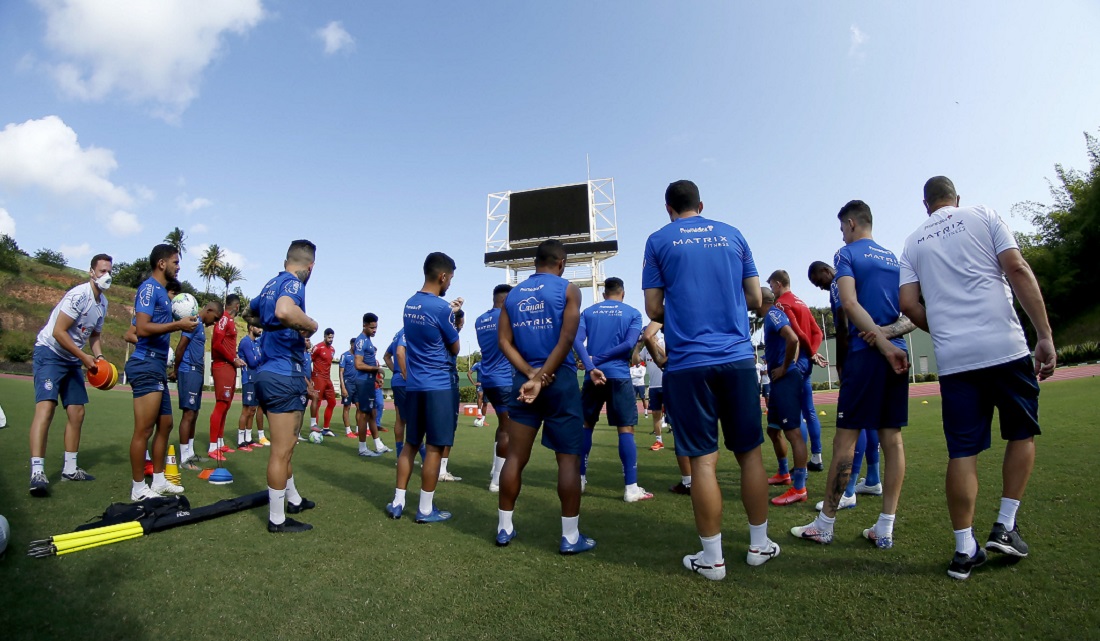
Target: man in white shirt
(59, 353)
(765, 380)
(964, 260)
(637, 379)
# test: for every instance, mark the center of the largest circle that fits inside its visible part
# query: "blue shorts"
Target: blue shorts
(399, 396)
(349, 399)
(969, 399)
(558, 407)
(248, 395)
(656, 399)
(55, 376)
(430, 416)
(148, 374)
(379, 399)
(498, 396)
(189, 388)
(364, 394)
(618, 394)
(873, 396)
(785, 402)
(712, 394)
(639, 392)
(279, 394)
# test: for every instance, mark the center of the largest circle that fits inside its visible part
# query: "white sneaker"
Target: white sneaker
(447, 476)
(762, 555)
(846, 502)
(143, 493)
(637, 495)
(383, 450)
(168, 488)
(873, 490)
(494, 488)
(716, 572)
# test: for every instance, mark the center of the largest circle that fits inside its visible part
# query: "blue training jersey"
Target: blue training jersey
(476, 369)
(429, 333)
(248, 350)
(496, 371)
(193, 358)
(775, 346)
(347, 361)
(397, 380)
(282, 349)
(700, 264)
(364, 347)
(536, 308)
(611, 329)
(878, 277)
(152, 299)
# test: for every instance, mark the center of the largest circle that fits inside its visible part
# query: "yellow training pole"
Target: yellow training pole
(74, 543)
(107, 542)
(121, 527)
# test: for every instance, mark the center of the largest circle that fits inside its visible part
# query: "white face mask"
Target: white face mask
(104, 282)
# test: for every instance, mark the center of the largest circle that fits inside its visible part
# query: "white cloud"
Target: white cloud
(857, 40)
(144, 51)
(336, 38)
(228, 255)
(46, 154)
(199, 228)
(83, 250)
(121, 223)
(144, 193)
(189, 205)
(7, 223)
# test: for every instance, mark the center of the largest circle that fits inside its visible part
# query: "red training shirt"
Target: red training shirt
(322, 360)
(802, 322)
(223, 342)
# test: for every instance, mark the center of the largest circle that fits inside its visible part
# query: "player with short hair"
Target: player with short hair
(248, 350)
(700, 280)
(347, 387)
(366, 367)
(396, 360)
(610, 329)
(431, 397)
(637, 379)
(147, 373)
(496, 373)
(967, 265)
(223, 368)
(76, 321)
(875, 393)
(321, 362)
(444, 473)
(188, 371)
(280, 382)
(656, 360)
(536, 333)
(474, 376)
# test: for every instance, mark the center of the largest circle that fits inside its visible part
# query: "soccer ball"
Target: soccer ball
(184, 306)
(479, 422)
(316, 437)
(5, 534)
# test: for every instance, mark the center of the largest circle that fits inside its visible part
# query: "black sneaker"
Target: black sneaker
(78, 475)
(306, 504)
(1007, 541)
(680, 488)
(40, 485)
(815, 467)
(289, 525)
(961, 564)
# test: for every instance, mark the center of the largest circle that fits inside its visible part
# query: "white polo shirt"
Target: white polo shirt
(87, 313)
(637, 375)
(953, 255)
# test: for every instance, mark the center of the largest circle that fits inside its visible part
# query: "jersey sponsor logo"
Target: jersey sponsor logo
(145, 296)
(887, 258)
(536, 323)
(531, 289)
(532, 304)
(705, 241)
(696, 230)
(943, 230)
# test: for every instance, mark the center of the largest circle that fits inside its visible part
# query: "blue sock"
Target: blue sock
(587, 451)
(872, 458)
(798, 477)
(809, 412)
(805, 431)
(857, 463)
(423, 452)
(628, 454)
(783, 466)
(400, 446)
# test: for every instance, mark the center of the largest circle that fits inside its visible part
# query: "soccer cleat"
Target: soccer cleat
(351, 434)
(846, 503)
(811, 533)
(199, 457)
(760, 556)
(255, 444)
(263, 441)
(504, 538)
(779, 479)
(225, 449)
(327, 432)
(394, 511)
(637, 495)
(81, 475)
(494, 488)
(961, 564)
(435, 516)
(40, 485)
(694, 562)
(583, 544)
(383, 450)
(383, 429)
(306, 504)
(447, 476)
(369, 454)
(657, 446)
(214, 456)
(168, 488)
(244, 447)
(288, 526)
(148, 471)
(315, 428)
(881, 542)
(680, 488)
(191, 464)
(302, 438)
(790, 497)
(1007, 541)
(873, 490)
(144, 493)
(815, 467)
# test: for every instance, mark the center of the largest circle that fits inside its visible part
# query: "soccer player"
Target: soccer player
(321, 358)
(188, 371)
(784, 404)
(248, 350)
(59, 353)
(147, 373)
(496, 373)
(765, 380)
(379, 400)
(347, 387)
(959, 260)
(610, 329)
(637, 379)
(875, 393)
(395, 359)
(280, 310)
(366, 367)
(444, 474)
(431, 397)
(536, 331)
(700, 281)
(474, 376)
(223, 367)
(656, 361)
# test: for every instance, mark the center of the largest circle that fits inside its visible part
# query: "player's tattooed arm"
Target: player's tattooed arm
(290, 315)
(900, 327)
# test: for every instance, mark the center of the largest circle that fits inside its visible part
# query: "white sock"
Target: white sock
(964, 541)
(185, 453)
(191, 446)
(686, 480)
(885, 526)
(426, 499)
(292, 495)
(815, 458)
(758, 535)
(442, 466)
(1006, 517)
(824, 523)
(147, 457)
(570, 528)
(660, 438)
(70, 468)
(276, 511)
(159, 480)
(38, 464)
(378, 444)
(221, 443)
(242, 438)
(362, 446)
(261, 433)
(498, 466)
(504, 521)
(399, 497)
(213, 448)
(347, 430)
(138, 486)
(313, 422)
(662, 424)
(712, 549)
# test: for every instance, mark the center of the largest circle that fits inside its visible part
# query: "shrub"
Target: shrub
(1079, 353)
(467, 394)
(50, 257)
(9, 254)
(19, 352)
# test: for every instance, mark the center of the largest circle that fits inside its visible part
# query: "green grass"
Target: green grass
(359, 575)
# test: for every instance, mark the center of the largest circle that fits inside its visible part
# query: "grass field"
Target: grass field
(360, 575)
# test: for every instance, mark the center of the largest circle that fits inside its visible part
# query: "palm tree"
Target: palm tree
(229, 274)
(210, 263)
(178, 239)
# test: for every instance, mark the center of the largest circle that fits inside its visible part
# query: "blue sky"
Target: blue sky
(378, 129)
